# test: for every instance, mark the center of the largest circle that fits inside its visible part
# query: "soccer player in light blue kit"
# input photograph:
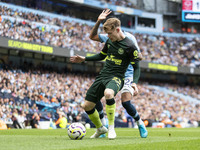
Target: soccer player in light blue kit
(127, 91)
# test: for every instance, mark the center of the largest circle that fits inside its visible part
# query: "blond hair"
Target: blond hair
(111, 24)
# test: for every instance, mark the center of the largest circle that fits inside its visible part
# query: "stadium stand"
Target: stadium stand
(31, 27)
(125, 3)
(39, 91)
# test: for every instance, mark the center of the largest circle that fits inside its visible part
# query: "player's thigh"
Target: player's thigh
(88, 105)
(127, 90)
(95, 92)
(115, 84)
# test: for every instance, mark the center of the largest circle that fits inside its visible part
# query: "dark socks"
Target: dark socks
(131, 110)
(91, 111)
(99, 107)
(110, 101)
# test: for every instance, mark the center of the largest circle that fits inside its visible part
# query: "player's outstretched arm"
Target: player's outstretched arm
(77, 59)
(93, 34)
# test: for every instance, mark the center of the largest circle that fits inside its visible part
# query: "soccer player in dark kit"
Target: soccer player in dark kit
(127, 92)
(120, 52)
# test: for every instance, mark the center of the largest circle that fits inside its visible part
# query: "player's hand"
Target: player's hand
(134, 86)
(140, 56)
(104, 14)
(77, 59)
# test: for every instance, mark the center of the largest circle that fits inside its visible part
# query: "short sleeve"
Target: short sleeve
(133, 39)
(133, 54)
(103, 38)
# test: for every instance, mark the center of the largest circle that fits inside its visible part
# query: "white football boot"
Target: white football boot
(100, 131)
(111, 132)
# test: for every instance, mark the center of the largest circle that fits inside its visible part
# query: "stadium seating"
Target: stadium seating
(40, 91)
(50, 91)
(60, 32)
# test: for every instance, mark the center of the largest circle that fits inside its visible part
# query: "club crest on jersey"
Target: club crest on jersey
(120, 51)
(135, 54)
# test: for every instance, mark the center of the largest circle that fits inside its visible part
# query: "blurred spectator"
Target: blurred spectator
(35, 121)
(21, 119)
(129, 120)
(2, 125)
(62, 121)
(15, 120)
(166, 120)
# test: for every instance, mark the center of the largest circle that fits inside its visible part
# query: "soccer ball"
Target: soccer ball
(76, 131)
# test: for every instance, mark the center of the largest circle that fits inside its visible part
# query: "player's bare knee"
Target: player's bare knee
(109, 93)
(126, 96)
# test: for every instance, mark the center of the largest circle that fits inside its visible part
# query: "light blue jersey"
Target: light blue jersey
(129, 72)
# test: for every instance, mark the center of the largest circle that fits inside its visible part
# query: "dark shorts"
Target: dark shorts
(96, 91)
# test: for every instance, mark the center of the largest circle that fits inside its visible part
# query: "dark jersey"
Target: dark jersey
(119, 55)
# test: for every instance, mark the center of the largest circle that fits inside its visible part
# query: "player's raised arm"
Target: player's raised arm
(93, 34)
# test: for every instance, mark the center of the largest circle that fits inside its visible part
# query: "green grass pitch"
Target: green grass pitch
(127, 138)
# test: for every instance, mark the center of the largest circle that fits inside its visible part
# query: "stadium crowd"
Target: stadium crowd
(125, 3)
(192, 91)
(38, 92)
(27, 26)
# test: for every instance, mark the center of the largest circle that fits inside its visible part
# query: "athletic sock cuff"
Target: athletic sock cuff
(91, 111)
(110, 101)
